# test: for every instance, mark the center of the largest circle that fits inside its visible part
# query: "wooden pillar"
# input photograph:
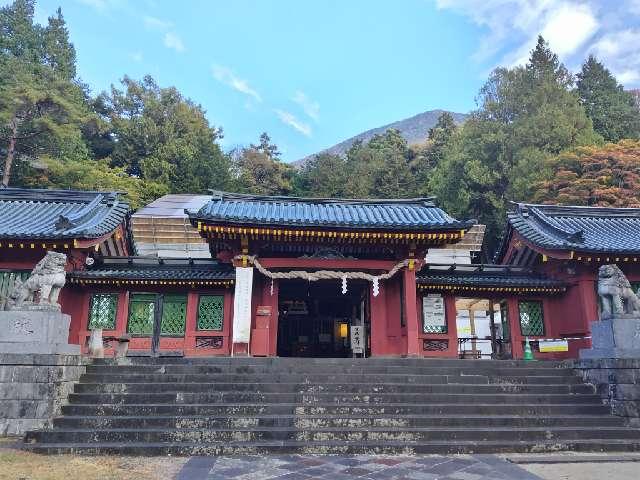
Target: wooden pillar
(414, 347)
(451, 316)
(513, 312)
(378, 320)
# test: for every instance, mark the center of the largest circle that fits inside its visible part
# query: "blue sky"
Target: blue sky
(312, 73)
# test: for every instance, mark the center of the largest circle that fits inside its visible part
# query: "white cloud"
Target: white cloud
(227, 77)
(566, 25)
(572, 28)
(289, 119)
(136, 56)
(156, 23)
(619, 52)
(97, 4)
(309, 106)
(102, 6)
(173, 41)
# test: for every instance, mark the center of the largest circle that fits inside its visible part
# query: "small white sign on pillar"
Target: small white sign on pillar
(357, 339)
(242, 305)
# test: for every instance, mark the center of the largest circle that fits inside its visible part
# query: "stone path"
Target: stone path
(365, 467)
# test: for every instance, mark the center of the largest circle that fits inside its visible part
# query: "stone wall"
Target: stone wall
(617, 381)
(33, 387)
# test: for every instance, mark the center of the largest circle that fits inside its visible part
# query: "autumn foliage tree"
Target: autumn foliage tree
(594, 176)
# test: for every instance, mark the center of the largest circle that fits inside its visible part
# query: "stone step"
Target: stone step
(280, 362)
(317, 398)
(287, 378)
(474, 408)
(328, 370)
(345, 448)
(353, 434)
(344, 421)
(318, 378)
(309, 388)
(178, 406)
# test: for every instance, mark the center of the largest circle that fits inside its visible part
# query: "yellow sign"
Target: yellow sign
(553, 346)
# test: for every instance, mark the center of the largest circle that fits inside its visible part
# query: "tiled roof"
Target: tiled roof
(483, 276)
(409, 214)
(53, 214)
(149, 268)
(583, 229)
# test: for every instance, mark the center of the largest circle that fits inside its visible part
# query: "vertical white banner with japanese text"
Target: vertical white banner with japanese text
(242, 305)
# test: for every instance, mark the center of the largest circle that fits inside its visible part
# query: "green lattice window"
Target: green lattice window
(142, 309)
(211, 312)
(174, 315)
(531, 318)
(102, 311)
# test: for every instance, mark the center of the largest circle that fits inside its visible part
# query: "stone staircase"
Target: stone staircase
(211, 406)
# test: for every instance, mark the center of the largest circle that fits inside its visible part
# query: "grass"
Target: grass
(20, 465)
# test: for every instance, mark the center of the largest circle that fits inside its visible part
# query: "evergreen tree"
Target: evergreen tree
(41, 106)
(265, 146)
(323, 176)
(525, 115)
(162, 137)
(257, 173)
(59, 52)
(431, 154)
(612, 110)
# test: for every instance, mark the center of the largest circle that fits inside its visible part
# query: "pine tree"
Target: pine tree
(41, 106)
(612, 110)
(59, 52)
(265, 146)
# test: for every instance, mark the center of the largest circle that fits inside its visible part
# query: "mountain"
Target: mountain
(413, 129)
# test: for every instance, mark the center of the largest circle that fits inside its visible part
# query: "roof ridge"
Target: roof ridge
(221, 195)
(570, 235)
(582, 210)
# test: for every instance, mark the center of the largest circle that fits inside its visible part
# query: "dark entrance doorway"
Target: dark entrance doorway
(315, 318)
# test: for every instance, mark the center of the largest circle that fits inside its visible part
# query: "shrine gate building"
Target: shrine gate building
(309, 277)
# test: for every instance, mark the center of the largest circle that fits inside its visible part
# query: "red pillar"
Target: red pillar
(451, 315)
(513, 312)
(414, 347)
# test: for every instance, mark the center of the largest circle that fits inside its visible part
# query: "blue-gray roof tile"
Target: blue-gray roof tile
(406, 214)
(56, 214)
(582, 229)
(146, 268)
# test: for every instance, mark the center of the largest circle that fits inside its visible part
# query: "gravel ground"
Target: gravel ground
(20, 465)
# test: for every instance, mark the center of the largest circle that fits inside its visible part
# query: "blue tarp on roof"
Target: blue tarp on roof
(410, 214)
(583, 229)
(52, 214)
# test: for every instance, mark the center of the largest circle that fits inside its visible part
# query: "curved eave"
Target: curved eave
(435, 227)
(493, 289)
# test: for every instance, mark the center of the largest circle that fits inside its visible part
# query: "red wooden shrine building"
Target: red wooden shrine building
(305, 277)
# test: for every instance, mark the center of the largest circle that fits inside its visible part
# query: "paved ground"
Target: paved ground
(364, 467)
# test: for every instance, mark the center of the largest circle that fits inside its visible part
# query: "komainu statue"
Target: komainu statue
(41, 289)
(617, 297)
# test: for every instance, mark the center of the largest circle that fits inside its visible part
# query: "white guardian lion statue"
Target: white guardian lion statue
(617, 297)
(41, 289)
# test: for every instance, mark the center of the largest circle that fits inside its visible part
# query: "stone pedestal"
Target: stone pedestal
(30, 332)
(614, 338)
